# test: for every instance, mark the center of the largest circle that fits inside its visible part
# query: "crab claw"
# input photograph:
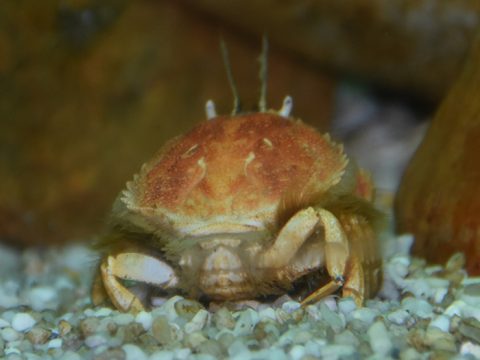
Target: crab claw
(133, 266)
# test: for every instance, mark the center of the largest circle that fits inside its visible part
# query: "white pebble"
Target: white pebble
(398, 316)
(471, 311)
(468, 348)
(399, 265)
(94, 341)
(168, 309)
(4, 323)
(267, 314)
(43, 298)
(55, 343)
(198, 321)
(346, 305)
(439, 295)
(335, 320)
(133, 352)
(337, 351)
(418, 307)
(314, 347)
(144, 318)
(23, 321)
(32, 356)
(379, 340)
(246, 322)
(162, 355)
(123, 319)
(313, 312)
(291, 306)
(296, 352)
(269, 353)
(182, 354)
(331, 302)
(455, 308)
(70, 355)
(365, 314)
(441, 322)
(13, 350)
(8, 334)
(102, 312)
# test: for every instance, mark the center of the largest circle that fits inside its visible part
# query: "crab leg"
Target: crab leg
(336, 256)
(291, 237)
(133, 266)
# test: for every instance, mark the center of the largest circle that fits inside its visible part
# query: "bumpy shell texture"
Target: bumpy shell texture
(235, 170)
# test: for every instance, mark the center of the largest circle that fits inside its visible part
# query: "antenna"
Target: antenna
(262, 102)
(231, 81)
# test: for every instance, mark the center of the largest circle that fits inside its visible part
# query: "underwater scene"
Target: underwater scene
(239, 179)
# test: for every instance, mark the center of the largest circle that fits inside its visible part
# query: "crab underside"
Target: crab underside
(312, 241)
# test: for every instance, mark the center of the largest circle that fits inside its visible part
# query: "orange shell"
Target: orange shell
(236, 166)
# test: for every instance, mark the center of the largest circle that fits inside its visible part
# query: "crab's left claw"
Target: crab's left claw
(131, 266)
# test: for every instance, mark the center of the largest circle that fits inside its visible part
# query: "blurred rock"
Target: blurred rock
(439, 197)
(89, 91)
(414, 46)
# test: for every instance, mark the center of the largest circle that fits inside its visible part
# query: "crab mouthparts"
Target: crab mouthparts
(222, 274)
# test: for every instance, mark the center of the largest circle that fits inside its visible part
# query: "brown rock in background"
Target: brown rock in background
(90, 90)
(439, 197)
(413, 46)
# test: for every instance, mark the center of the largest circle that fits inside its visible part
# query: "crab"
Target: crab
(240, 207)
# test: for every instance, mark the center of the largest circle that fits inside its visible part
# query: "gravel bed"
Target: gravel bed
(422, 312)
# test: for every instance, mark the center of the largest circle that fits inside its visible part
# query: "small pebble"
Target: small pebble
(346, 305)
(346, 338)
(333, 319)
(23, 321)
(297, 352)
(193, 340)
(9, 334)
(213, 348)
(162, 355)
(103, 312)
(290, 306)
(4, 323)
(162, 331)
(187, 309)
(337, 351)
(145, 319)
(89, 326)
(182, 354)
(55, 343)
(223, 318)
(365, 314)
(468, 348)
(64, 327)
(398, 316)
(470, 329)
(94, 341)
(123, 319)
(38, 335)
(441, 322)
(440, 340)
(43, 298)
(418, 307)
(70, 355)
(379, 339)
(133, 352)
(246, 322)
(198, 321)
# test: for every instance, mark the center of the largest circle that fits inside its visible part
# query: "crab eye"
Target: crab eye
(210, 110)
(286, 107)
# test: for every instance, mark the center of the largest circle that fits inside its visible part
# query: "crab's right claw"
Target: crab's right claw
(132, 266)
